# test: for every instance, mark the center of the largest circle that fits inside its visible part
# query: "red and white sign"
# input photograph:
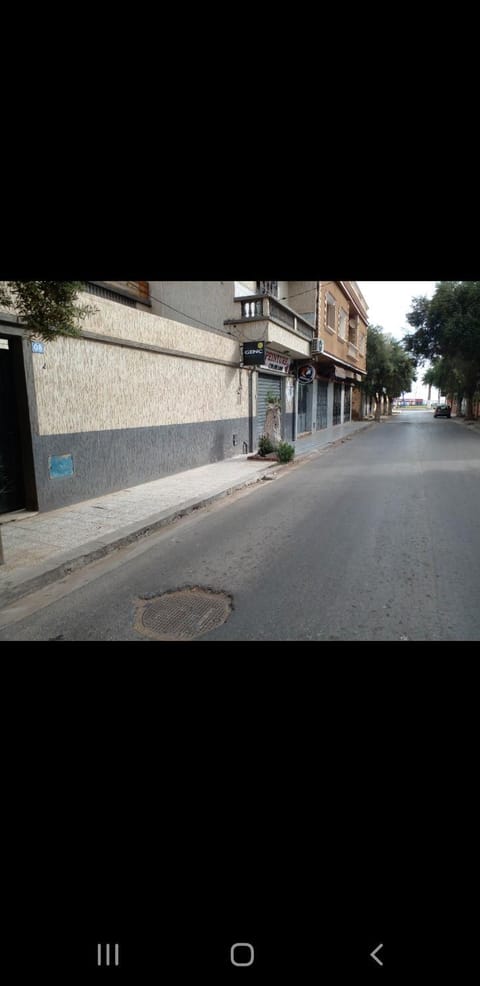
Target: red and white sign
(306, 373)
(275, 361)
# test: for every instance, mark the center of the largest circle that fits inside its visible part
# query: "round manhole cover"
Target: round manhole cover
(183, 614)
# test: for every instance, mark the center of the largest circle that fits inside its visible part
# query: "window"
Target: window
(352, 330)
(330, 312)
(342, 324)
(268, 287)
(102, 292)
(242, 288)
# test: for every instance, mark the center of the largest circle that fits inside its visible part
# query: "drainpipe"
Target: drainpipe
(250, 411)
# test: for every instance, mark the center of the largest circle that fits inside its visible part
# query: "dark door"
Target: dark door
(11, 472)
(337, 403)
(322, 403)
(304, 413)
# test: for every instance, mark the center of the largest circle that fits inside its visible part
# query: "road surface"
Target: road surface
(376, 539)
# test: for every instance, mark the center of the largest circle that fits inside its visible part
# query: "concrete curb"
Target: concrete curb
(66, 562)
(472, 426)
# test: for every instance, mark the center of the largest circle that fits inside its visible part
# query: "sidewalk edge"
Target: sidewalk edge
(91, 551)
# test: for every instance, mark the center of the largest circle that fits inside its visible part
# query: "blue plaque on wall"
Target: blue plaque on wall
(60, 465)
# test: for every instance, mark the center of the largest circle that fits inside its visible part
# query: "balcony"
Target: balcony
(352, 351)
(262, 316)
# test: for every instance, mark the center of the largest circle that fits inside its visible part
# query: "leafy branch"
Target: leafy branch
(47, 309)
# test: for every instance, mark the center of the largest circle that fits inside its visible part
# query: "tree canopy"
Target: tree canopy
(47, 309)
(390, 370)
(447, 332)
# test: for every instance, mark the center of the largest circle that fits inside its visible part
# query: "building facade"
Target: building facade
(313, 334)
(159, 380)
(135, 397)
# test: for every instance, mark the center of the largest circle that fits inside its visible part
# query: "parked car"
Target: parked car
(442, 411)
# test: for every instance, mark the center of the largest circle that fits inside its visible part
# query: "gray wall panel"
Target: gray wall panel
(106, 461)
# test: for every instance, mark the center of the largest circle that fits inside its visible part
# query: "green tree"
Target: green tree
(444, 375)
(390, 370)
(447, 331)
(47, 309)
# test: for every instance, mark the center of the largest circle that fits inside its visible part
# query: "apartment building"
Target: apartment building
(313, 334)
(162, 379)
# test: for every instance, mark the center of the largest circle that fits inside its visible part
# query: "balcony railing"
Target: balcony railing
(281, 314)
(263, 306)
(268, 287)
(252, 309)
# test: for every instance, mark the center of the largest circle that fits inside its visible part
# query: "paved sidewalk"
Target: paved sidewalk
(471, 425)
(40, 548)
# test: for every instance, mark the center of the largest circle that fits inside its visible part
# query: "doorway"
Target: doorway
(17, 485)
(322, 404)
(304, 412)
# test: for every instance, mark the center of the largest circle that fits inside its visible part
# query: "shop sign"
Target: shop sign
(306, 373)
(253, 353)
(274, 361)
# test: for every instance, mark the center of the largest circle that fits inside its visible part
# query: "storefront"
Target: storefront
(304, 411)
(274, 378)
(306, 374)
(267, 383)
(347, 402)
(322, 403)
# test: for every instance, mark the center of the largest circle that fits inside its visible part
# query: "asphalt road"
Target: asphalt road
(375, 539)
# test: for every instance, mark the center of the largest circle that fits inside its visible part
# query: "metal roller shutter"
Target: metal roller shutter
(322, 404)
(337, 403)
(265, 383)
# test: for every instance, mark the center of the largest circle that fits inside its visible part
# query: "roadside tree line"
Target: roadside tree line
(390, 370)
(447, 333)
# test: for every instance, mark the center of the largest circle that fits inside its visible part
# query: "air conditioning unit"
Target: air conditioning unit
(318, 346)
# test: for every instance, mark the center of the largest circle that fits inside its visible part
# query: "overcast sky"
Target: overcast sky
(388, 304)
(389, 301)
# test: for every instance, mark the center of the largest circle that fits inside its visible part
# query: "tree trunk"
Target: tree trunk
(273, 425)
(469, 416)
(2, 559)
(378, 409)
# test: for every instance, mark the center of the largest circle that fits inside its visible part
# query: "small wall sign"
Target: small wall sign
(275, 361)
(253, 353)
(60, 465)
(306, 373)
(38, 347)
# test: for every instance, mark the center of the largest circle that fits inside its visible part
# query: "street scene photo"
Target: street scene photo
(239, 460)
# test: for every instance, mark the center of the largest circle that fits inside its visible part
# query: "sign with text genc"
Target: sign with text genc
(253, 353)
